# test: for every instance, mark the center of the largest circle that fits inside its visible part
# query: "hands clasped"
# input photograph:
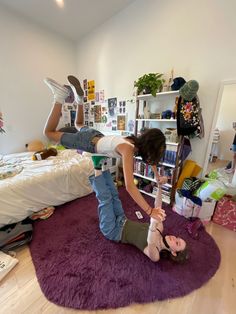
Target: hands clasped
(158, 214)
(162, 180)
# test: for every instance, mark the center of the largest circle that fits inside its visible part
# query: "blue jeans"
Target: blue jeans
(81, 140)
(110, 211)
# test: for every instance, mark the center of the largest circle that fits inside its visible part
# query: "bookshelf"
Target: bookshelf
(171, 164)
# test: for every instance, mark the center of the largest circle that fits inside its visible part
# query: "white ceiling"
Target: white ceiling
(75, 19)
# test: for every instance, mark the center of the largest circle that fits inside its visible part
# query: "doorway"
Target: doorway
(222, 134)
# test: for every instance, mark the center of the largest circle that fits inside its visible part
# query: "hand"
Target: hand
(158, 214)
(162, 180)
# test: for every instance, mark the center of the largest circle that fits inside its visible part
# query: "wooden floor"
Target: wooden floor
(217, 164)
(20, 291)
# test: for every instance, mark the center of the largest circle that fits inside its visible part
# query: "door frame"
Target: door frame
(218, 103)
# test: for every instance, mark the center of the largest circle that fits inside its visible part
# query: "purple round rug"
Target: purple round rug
(77, 267)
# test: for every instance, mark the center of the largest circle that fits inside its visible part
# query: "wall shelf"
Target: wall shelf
(157, 120)
(150, 97)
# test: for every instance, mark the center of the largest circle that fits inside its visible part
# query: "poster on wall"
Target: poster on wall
(91, 90)
(65, 119)
(122, 107)
(91, 114)
(85, 88)
(85, 84)
(72, 117)
(130, 126)
(86, 112)
(101, 96)
(121, 120)
(112, 107)
(114, 125)
(104, 114)
(97, 114)
(97, 96)
(65, 116)
(68, 115)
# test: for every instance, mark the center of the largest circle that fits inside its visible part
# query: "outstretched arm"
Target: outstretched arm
(154, 235)
(159, 179)
(127, 153)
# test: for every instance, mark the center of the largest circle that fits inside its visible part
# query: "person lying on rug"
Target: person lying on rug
(116, 227)
(150, 145)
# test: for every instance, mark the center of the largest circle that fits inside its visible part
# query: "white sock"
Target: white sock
(78, 99)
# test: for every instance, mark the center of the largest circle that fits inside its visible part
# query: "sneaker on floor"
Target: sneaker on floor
(99, 160)
(229, 170)
(229, 165)
(76, 87)
(60, 92)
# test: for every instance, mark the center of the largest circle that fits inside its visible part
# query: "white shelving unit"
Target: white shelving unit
(157, 120)
(162, 102)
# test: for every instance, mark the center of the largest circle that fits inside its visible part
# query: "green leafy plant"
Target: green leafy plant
(151, 83)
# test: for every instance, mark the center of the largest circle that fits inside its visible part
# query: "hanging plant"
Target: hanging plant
(151, 83)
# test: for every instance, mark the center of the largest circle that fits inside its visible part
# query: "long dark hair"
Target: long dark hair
(181, 256)
(151, 145)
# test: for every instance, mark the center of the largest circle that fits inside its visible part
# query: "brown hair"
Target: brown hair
(151, 145)
(181, 256)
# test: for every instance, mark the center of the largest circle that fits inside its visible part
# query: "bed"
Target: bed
(40, 184)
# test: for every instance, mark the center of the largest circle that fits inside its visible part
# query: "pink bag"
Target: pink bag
(225, 213)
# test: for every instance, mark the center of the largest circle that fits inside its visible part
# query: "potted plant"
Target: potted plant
(151, 83)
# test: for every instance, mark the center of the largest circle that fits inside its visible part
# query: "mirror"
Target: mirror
(219, 153)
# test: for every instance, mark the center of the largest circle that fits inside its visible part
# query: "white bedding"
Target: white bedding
(44, 183)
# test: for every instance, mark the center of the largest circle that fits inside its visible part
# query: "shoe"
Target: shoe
(229, 165)
(71, 98)
(60, 92)
(99, 160)
(229, 170)
(76, 87)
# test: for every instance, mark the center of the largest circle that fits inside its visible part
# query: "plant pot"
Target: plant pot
(146, 90)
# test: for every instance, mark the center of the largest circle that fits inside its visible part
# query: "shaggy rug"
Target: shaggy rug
(77, 267)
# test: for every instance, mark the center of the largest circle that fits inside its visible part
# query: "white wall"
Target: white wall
(27, 55)
(226, 117)
(197, 38)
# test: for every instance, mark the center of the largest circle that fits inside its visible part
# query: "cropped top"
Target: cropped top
(135, 233)
(107, 145)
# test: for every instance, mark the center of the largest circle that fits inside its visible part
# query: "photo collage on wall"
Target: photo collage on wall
(103, 114)
(68, 114)
(109, 113)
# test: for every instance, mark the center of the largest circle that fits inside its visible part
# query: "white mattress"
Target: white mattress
(50, 182)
